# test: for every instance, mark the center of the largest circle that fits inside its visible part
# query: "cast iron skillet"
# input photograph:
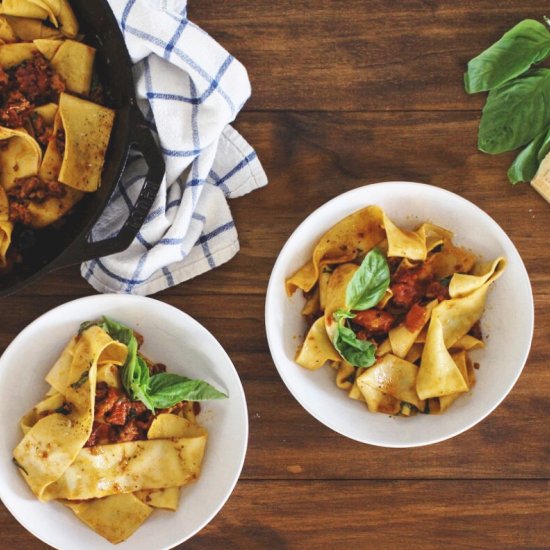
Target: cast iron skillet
(52, 248)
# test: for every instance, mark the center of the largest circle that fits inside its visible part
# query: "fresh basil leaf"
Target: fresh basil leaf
(526, 164)
(545, 147)
(134, 373)
(167, 389)
(140, 394)
(340, 314)
(139, 387)
(369, 282)
(161, 390)
(127, 373)
(116, 330)
(143, 370)
(86, 325)
(522, 46)
(515, 113)
(359, 353)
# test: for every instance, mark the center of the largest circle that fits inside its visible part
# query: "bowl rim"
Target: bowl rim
(5, 494)
(393, 186)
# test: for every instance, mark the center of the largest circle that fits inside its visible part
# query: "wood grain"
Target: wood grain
(347, 94)
(367, 514)
(360, 54)
(382, 514)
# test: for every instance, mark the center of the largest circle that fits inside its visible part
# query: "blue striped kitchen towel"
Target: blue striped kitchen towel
(189, 89)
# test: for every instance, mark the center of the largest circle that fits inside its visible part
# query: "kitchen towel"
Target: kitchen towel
(189, 89)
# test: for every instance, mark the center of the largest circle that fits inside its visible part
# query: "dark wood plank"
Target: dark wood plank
(361, 54)
(384, 514)
(287, 443)
(365, 514)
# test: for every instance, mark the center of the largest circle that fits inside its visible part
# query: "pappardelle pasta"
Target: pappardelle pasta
(394, 312)
(116, 436)
(54, 127)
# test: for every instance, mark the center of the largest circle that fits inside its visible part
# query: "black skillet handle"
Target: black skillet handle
(83, 250)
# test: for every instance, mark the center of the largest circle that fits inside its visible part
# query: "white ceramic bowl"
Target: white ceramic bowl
(171, 337)
(507, 323)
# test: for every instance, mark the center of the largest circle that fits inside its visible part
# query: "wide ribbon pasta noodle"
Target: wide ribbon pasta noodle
(59, 12)
(7, 35)
(21, 156)
(6, 227)
(115, 517)
(53, 443)
(50, 210)
(14, 54)
(421, 327)
(128, 467)
(113, 485)
(47, 46)
(87, 128)
(317, 348)
(28, 29)
(73, 62)
(342, 243)
(392, 376)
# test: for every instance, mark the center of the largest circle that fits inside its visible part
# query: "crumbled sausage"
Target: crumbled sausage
(416, 318)
(374, 321)
(19, 213)
(15, 110)
(437, 290)
(26, 86)
(42, 133)
(35, 79)
(36, 190)
(409, 284)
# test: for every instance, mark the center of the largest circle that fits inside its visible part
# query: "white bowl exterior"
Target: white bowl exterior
(507, 322)
(171, 337)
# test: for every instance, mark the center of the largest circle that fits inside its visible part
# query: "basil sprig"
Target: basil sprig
(526, 164)
(359, 353)
(161, 390)
(365, 289)
(522, 46)
(517, 111)
(166, 388)
(369, 283)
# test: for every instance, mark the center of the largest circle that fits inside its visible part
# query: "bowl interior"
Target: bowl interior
(507, 323)
(171, 337)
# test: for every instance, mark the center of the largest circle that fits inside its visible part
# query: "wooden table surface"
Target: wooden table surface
(347, 93)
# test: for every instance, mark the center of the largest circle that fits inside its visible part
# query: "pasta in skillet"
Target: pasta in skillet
(115, 436)
(54, 129)
(394, 312)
